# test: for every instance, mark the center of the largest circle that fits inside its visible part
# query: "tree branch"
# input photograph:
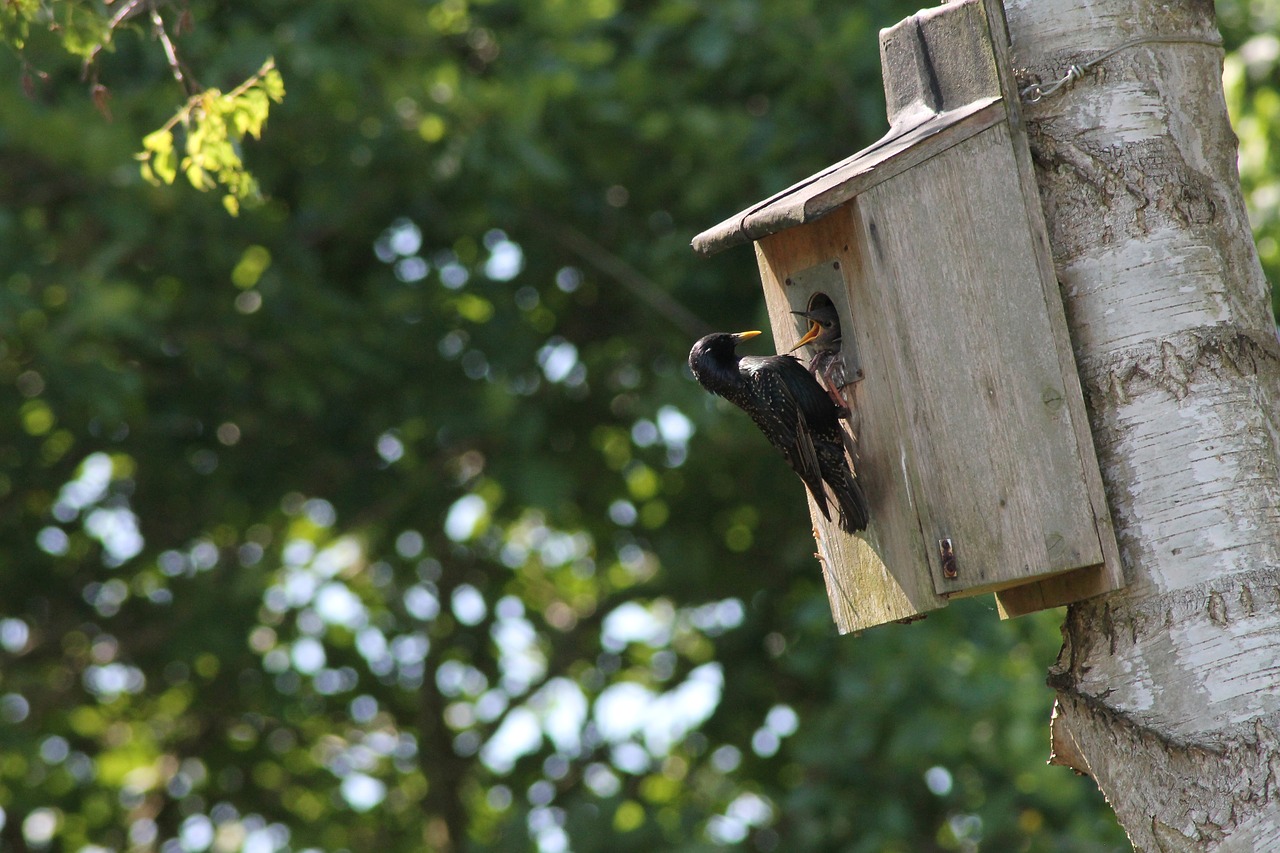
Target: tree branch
(176, 66)
(632, 279)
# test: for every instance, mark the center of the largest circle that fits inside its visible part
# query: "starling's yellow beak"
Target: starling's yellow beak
(745, 336)
(814, 331)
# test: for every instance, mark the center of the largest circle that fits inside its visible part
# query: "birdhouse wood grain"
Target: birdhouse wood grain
(972, 440)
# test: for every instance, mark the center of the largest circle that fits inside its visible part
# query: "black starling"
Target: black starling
(824, 334)
(793, 412)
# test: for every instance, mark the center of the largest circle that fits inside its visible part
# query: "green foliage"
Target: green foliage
(384, 516)
(15, 20)
(81, 28)
(214, 126)
(1251, 77)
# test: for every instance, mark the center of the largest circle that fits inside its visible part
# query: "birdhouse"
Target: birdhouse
(970, 433)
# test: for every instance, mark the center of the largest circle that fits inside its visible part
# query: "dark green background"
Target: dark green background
(284, 384)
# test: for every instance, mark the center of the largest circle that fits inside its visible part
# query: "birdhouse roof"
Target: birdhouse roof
(904, 146)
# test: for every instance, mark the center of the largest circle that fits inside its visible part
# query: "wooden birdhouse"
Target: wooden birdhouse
(972, 441)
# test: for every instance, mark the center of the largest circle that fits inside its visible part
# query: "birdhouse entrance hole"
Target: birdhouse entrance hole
(819, 287)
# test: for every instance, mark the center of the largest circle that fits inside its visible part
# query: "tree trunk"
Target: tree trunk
(1167, 690)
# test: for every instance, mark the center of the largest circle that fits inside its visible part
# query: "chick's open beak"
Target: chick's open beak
(814, 331)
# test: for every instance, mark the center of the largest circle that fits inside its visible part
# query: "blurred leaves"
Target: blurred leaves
(384, 516)
(213, 123)
(1251, 77)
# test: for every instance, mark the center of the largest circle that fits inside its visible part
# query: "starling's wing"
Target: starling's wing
(829, 442)
(814, 403)
(787, 404)
(807, 465)
(818, 442)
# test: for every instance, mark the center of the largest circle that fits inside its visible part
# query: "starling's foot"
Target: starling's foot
(841, 409)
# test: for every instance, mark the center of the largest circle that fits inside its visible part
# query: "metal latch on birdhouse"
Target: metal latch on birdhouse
(971, 440)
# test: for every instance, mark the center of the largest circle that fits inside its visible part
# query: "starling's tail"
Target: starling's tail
(854, 512)
(842, 484)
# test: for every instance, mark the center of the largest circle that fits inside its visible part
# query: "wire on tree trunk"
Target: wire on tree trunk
(1037, 92)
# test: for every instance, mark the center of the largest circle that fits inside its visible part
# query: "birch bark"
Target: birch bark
(1168, 692)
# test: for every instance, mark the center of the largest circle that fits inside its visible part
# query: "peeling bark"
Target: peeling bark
(1167, 690)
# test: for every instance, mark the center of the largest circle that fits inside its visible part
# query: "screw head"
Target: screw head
(950, 570)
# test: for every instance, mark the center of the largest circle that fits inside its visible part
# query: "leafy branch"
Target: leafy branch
(214, 124)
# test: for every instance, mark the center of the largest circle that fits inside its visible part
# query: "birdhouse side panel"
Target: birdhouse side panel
(951, 248)
(875, 577)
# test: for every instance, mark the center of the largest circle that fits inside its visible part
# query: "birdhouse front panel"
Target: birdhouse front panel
(875, 577)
